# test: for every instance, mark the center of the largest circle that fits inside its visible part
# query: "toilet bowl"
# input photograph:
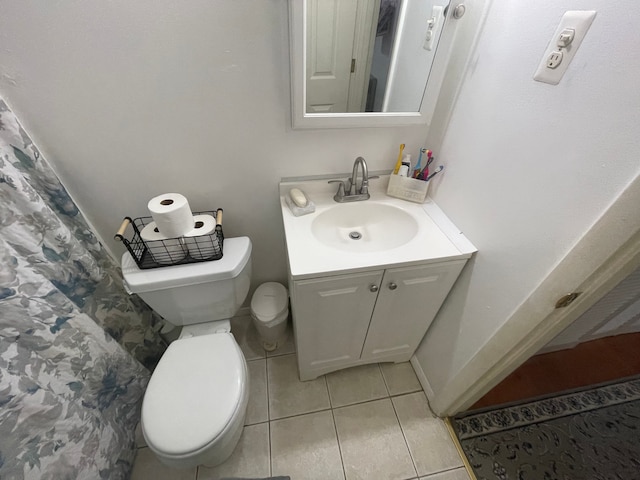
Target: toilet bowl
(194, 407)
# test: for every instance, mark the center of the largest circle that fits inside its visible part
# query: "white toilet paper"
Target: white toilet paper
(164, 250)
(172, 214)
(202, 247)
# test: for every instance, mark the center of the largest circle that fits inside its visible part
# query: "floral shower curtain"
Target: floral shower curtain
(75, 349)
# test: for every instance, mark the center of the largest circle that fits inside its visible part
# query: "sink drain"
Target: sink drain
(355, 235)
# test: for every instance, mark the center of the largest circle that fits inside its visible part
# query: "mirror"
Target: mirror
(367, 62)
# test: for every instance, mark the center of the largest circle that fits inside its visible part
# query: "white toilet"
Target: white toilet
(194, 406)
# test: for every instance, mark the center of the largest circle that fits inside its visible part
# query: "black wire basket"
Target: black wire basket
(172, 251)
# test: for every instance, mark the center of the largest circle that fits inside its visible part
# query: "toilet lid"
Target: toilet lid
(193, 393)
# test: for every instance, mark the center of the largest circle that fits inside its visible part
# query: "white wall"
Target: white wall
(412, 64)
(531, 166)
(131, 99)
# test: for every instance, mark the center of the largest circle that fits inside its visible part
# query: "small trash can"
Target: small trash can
(269, 311)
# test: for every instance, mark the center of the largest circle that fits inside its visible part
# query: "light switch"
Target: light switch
(433, 25)
(563, 45)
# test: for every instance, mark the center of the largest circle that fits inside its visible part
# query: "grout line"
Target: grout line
(326, 384)
(270, 451)
(266, 378)
(331, 408)
(404, 436)
(335, 428)
(384, 380)
(458, 445)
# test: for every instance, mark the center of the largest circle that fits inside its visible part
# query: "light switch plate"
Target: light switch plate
(578, 20)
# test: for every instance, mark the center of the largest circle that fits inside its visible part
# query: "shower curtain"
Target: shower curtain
(75, 349)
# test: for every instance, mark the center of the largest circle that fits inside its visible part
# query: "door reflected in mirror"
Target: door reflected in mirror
(369, 55)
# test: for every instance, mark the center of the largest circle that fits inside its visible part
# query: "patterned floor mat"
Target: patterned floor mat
(591, 434)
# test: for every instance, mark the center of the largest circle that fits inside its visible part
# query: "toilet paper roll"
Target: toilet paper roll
(200, 241)
(172, 214)
(163, 250)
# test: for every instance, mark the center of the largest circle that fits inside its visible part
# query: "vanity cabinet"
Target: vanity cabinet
(376, 316)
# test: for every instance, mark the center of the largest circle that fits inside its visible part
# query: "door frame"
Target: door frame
(607, 253)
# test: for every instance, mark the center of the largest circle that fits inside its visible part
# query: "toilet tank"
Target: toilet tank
(196, 292)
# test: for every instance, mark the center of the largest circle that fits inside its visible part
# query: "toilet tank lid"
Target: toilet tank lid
(269, 300)
(236, 254)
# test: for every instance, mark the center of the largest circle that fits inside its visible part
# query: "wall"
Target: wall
(530, 166)
(131, 99)
(412, 63)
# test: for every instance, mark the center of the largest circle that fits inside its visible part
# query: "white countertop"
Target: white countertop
(437, 238)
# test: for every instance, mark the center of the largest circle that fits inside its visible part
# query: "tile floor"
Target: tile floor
(371, 422)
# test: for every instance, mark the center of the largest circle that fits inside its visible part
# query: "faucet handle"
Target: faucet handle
(365, 184)
(341, 189)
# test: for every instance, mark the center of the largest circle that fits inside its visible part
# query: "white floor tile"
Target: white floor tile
(288, 395)
(356, 385)
(247, 337)
(400, 378)
(250, 459)
(257, 409)
(147, 466)
(371, 442)
(306, 447)
(430, 444)
(456, 474)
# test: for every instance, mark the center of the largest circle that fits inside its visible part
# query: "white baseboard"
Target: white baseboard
(422, 378)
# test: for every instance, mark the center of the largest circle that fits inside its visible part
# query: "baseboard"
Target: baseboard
(422, 378)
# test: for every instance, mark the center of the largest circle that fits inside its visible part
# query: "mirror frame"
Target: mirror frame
(301, 119)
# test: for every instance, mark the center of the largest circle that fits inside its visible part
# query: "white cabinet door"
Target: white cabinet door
(409, 300)
(331, 317)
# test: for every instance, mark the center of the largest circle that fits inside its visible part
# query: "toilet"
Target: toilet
(194, 407)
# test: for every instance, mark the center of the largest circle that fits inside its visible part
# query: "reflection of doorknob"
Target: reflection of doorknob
(458, 12)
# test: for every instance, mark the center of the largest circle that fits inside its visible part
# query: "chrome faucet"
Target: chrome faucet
(348, 190)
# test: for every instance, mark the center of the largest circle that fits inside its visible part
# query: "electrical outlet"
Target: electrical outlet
(563, 45)
(554, 59)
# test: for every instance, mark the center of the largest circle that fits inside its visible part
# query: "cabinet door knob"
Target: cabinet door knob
(392, 286)
(373, 288)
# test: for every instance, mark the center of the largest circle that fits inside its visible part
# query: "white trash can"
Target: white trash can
(269, 311)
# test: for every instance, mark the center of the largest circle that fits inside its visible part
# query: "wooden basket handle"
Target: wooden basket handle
(123, 226)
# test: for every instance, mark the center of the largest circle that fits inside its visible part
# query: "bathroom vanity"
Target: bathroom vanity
(366, 278)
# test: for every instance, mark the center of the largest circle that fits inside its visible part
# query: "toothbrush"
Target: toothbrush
(399, 162)
(424, 173)
(437, 171)
(416, 170)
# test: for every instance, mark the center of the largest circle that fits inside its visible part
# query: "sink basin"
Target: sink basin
(364, 227)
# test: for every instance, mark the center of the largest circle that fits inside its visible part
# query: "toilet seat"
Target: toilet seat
(194, 394)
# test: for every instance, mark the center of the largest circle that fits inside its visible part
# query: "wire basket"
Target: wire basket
(172, 251)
